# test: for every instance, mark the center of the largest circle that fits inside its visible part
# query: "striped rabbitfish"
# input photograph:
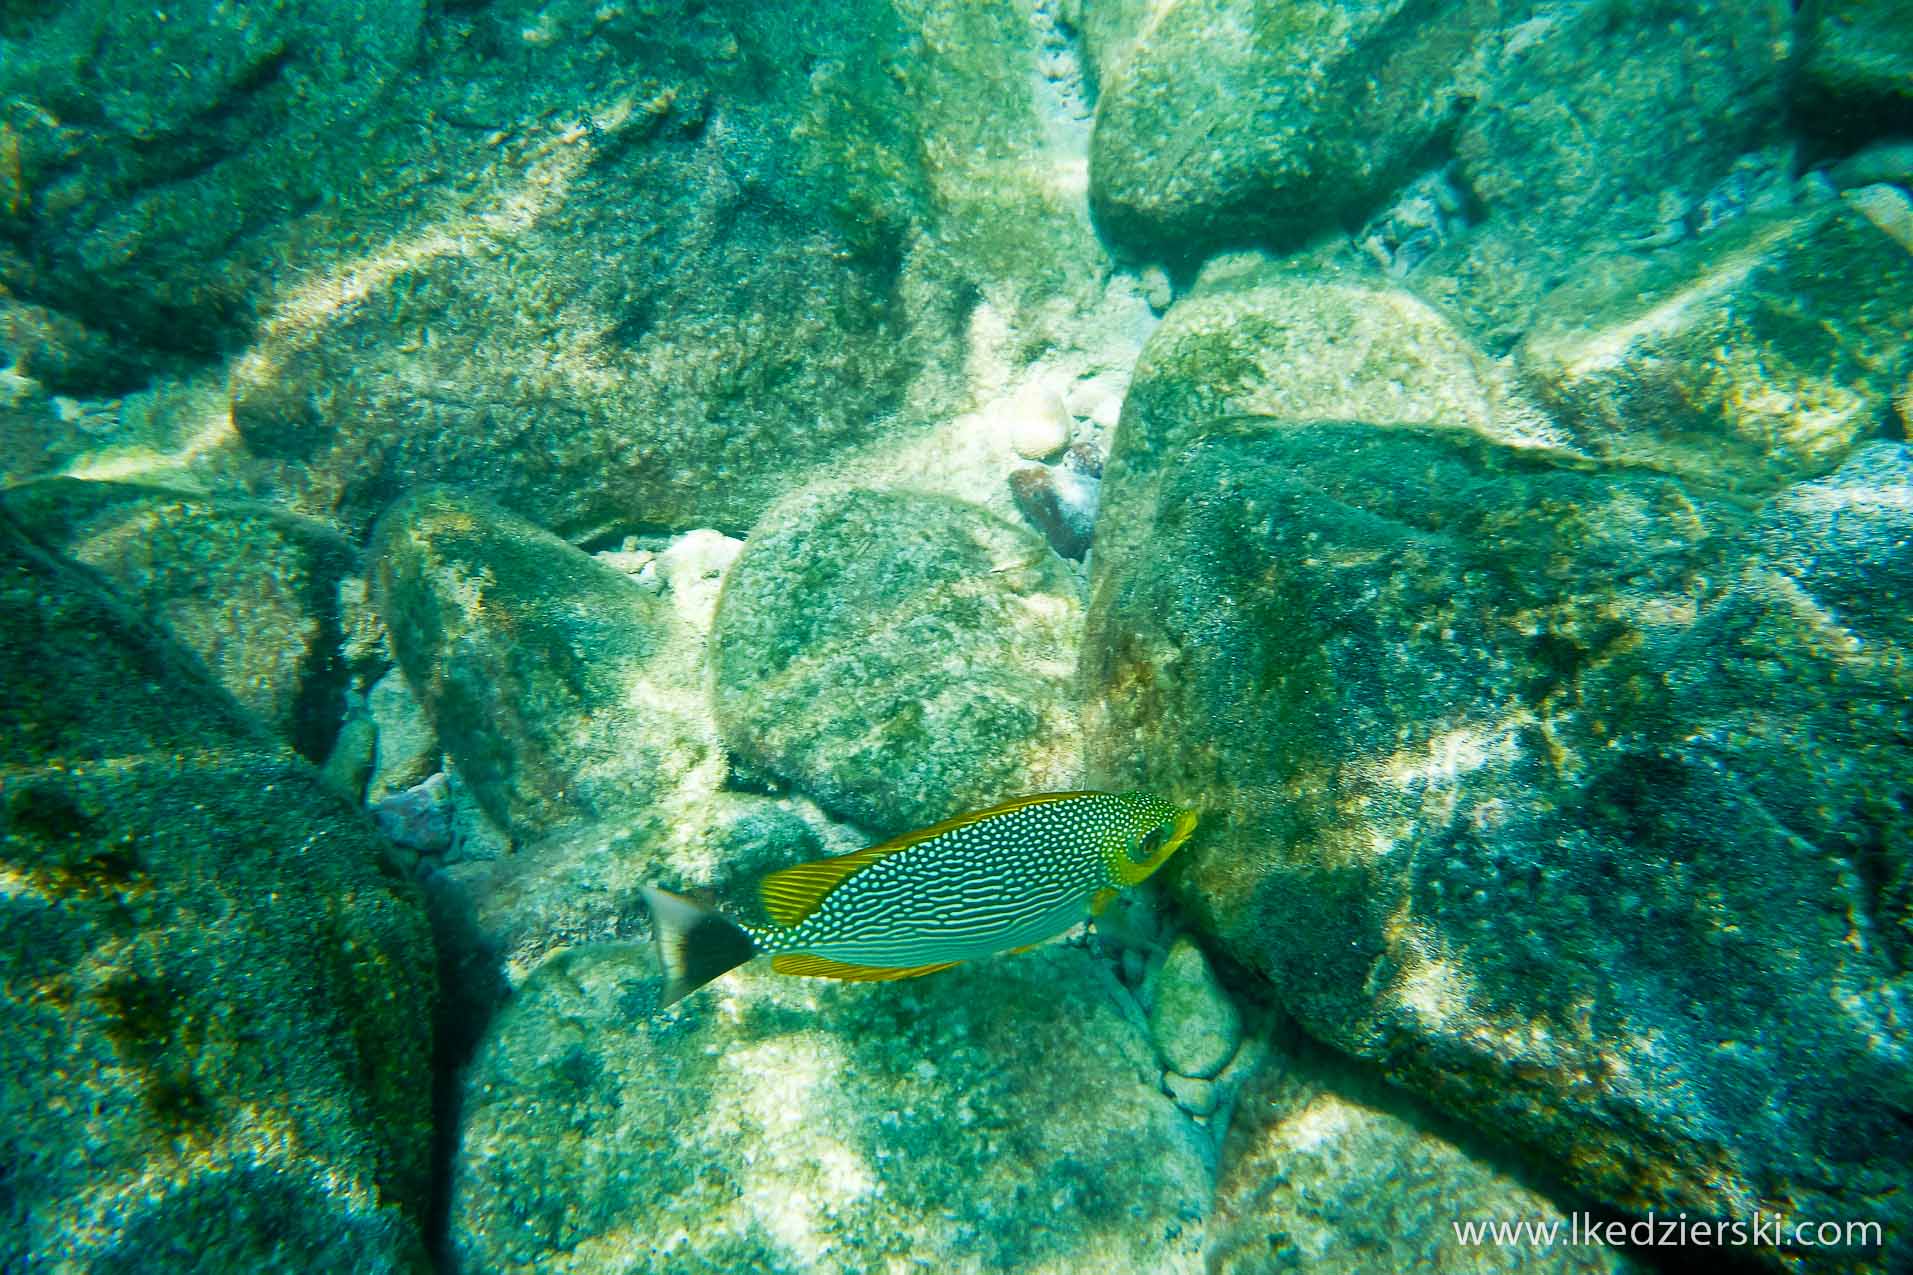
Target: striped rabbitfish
(997, 880)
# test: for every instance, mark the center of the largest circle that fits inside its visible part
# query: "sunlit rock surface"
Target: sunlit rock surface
(1328, 1169)
(1760, 354)
(898, 658)
(1001, 1116)
(1228, 122)
(561, 687)
(1575, 797)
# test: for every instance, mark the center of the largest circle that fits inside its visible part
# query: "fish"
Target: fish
(997, 880)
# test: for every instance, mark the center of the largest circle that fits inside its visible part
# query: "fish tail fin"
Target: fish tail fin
(695, 943)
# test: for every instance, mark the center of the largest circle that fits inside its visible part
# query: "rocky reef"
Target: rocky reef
(466, 463)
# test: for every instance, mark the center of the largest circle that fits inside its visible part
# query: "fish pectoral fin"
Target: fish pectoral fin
(1100, 900)
(809, 966)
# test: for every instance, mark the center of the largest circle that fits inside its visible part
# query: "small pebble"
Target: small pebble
(1196, 1025)
(420, 818)
(1156, 289)
(1193, 1094)
(1037, 422)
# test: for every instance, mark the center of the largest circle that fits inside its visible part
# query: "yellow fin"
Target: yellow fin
(1100, 900)
(793, 893)
(1027, 947)
(823, 967)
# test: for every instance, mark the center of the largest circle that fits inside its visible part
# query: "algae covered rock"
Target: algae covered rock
(898, 657)
(214, 1005)
(1760, 354)
(1196, 1025)
(252, 590)
(1257, 342)
(1574, 798)
(1001, 1116)
(1229, 121)
(1857, 60)
(566, 693)
(1328, 1169)
(1603, 125)
(144, 142)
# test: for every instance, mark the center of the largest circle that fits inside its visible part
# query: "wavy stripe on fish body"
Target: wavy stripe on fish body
(1002, 882)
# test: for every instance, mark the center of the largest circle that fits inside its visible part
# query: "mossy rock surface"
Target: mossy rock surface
(566, 693)
(253, 591)
(1761, 354)
(1003, 1116)
(217, 1000)
(1228, 122)
(1857, 63)
(898, 657)
(1574, 797)
(1604, 126)
(1254, 343)
(1328, 1168)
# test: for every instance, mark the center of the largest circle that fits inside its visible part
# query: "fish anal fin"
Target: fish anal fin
(809, 966)
(793, 893)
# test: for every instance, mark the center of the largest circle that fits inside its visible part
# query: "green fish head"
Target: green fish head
(1158, 831)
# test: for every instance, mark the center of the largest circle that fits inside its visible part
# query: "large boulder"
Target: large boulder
(898, 657)
(1329, 1168)
(1259, 341)
(566, 693)
(1002, 1116)
(1757, 356)
(1228, 121)
(253, 591)
(1575, 797)
(215, 1002)
(1558, 161)
(608, 268)
(1856, 69)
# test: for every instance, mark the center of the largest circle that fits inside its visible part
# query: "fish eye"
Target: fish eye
(1150, 842)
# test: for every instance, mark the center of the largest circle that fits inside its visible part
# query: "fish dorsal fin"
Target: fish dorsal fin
(793, 893)
(823, 967)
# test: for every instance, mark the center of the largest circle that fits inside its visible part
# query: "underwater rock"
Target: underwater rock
(1256, 341)
(576, 259)
(1034, 420)
(1575, 798)
(1195, 1024)
(1061, 500)
(407, 751)
(692, 567)
(1328, 1169)
(1856, 64)
(567, 694)
(1554, 154)
(252, 590)
(1230, 122)
(1758, 355)
(1001, 1116)
(214, 1010)
(348, 766)
(418, 819)
(898, 657)
(1193, 1094)
(149, 146)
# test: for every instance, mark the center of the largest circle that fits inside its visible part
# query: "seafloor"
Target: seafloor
(466, 461)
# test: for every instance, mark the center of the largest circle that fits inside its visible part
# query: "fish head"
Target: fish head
(1158, 828)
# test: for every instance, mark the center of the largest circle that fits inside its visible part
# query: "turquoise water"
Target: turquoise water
(470, 466)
